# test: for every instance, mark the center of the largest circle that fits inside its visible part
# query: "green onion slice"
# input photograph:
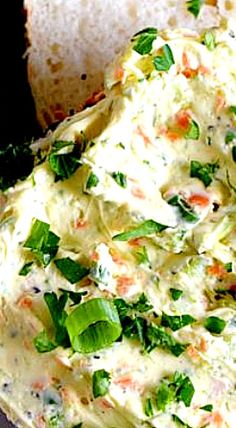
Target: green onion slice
(94, 325)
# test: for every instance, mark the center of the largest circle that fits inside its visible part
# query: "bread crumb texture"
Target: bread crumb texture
(72, 41)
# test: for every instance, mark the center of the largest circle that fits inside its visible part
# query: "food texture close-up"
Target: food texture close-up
(118, 217)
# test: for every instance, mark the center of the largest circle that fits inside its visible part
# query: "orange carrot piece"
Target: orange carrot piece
(216, 270)
(137, 193)
(203, 345)
(142, 134)
(199, 199)
(25, 302)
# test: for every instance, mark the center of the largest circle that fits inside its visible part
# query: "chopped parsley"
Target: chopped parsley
(148, 407)
(228, 267)
(56, 306)
(43, 343)
(185, 210)
(71, 270)
(120, 179)
(214, 325)
(207, 408)
(26, 269)
(142, 256)
(142, 304)
(232, 109)
(175, 293)
(193, 132)
(230, 136)
(64, 164)
(176, 322)
(101, 383)
(42, 242)
(157, 337)
(74, 296)
(165, 60)
(204, 171)
(180, 422)
(234, 153)
(92, 181)
(194, 6)
(209, 40)
(176, 388)
(144, 40)
(148, 227)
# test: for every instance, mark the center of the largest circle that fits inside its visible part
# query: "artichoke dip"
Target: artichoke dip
(118, 252)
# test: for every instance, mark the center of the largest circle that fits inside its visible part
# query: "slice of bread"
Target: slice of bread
(72, 41)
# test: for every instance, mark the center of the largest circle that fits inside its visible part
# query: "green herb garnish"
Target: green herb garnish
(185, 210)
(209, 40)
(214, 325)
(164, 61)
(64, 164)
(194, 6)
(120, 179)
(228, 267)
(74, 296)
(176, 322)
(101, 383)
(234, 153)
(204, 171)
(144, 40)
(26, 269)
(71, 270)
(43, 343)
(175, 293)
(142, 256)
(230, 136)
(180, 422)
(148, 408)
(148, 227)
(176, 388)
(92, 181)
(42, 242)
(193, 132)
(157, 337)
(207, 408)
(142, 304)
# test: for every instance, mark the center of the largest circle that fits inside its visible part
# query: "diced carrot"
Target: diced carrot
(137, 193)
(189, 73)
(199, 199)
(203, 344)
(216, 270)
(142, 134)
(94, 99)
(105, 404)
(80, 223)
(40, 384)
(214, 419)
(94, 256)
(116, 257)
(25, 302)
(137, 242)
(119, 73)
(40, 421)
(192, 351)
(220, 102)
(172, 135)
(183, 119)
(123, 284)
(126, 382)
(185, 60)
(203, 70)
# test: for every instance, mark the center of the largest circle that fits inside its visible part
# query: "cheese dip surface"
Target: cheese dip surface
(117, 254)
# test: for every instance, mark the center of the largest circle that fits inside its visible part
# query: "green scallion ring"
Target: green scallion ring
(94, 325)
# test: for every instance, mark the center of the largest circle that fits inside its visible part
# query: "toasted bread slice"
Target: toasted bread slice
(71, 42)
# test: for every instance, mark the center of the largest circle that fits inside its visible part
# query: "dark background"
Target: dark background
(18, 111)
(18, 119)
